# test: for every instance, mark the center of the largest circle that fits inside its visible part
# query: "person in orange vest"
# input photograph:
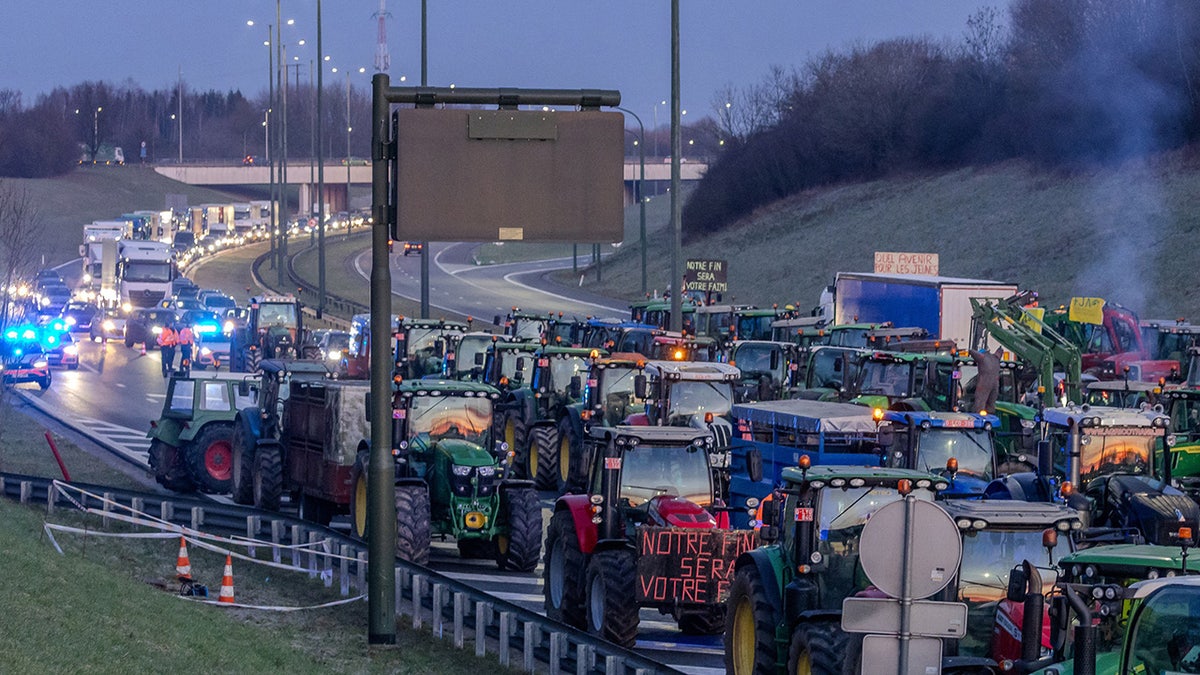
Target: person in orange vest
(167, 340)
(186, 340)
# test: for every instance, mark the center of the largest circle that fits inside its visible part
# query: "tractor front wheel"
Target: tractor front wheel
(513, 432)
(542, 457)
(749, 625)
(268, 475)
(817, 648)
(572, 470)
(412, 523)
(519, 545)
(612, 609)
(242, 448)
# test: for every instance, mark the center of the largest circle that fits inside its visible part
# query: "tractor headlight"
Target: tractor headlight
(486, 471)
(334, 355)
(460, 470)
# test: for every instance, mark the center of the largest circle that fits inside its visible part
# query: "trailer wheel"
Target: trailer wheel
(817, 647)
(562, 573)
(169, 469)
(519, 545)
(268, 475)
(358, 498)
(412, 523)
(612, 609)
(749, 626)
(542, 457)
(242, 448)
(572, 471)
(210, 458)
(708, 620)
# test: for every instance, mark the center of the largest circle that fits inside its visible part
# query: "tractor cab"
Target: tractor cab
(958, 446)
(425, 346)
(769, 369)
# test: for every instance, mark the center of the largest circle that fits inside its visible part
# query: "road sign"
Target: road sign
(932, 563)
(882, 615)
(881, 654)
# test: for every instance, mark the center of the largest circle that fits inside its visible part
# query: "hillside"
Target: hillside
(1127, 233)
(92, 193)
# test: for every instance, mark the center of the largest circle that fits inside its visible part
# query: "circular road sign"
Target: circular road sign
(935, 549)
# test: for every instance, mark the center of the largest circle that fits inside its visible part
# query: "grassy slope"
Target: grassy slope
(100, 193)
(1127, 234)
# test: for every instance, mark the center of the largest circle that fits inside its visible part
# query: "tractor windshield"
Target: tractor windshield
(529, 329)
(843, 513)
(464, 356)
(689, 399)
(563, 368)
(423, 341)
(755, 327)
(649, 471)
(971, 447)
(754, 360)
(887, 378)
(987, 560)
(1116, 451)
(1165, 637)
(616, 394)
(1185, 419)
(277, 314)
(438, 417)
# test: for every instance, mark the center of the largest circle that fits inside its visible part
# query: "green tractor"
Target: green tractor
(506, 366)
(273, 330)
(557, 383)
(190, 443)
(451, 480)
(610, 397)
(424, 345)
(785, 602)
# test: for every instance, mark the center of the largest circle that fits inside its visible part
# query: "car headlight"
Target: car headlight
(70, 321)
(73, 350)
(228, 327)
(461, 470)
(41, 363)
(205, 351)
(334, 355)
(108, 324)
(156, 330)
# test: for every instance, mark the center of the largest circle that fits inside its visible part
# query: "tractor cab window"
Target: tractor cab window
(182, 397)
(423, 341)
(433, 418)
(563, 368)
(692, 399)
(1098, 340)
(971, 447)
(754, 327)
(755, 360)
(1165, 635)
(529, 329)
(277, 314)
(1185, 418)
(987, 557)
(649, 471)
(1102, 454)
(617, 395)
(827, 369)
(216, 397)
(891, 379)
(1126, 336)
(464, 355)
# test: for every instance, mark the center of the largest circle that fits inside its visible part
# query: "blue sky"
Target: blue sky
(608, 44)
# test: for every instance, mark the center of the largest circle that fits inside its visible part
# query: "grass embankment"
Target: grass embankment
(1126, 233)
(110, 605)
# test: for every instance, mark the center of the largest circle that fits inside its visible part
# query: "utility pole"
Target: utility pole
(676, 280)
(320, 176)
(424, 83)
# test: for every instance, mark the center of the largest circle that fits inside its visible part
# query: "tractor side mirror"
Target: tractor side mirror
(1045, 458)
(496, 320)
(576, 388)
(243, 389)
(754, 465)
(479, 359)
(1018, 579)
(774, 359)
(367, 407)
(887, 437)
(639, 386)
(521, 365)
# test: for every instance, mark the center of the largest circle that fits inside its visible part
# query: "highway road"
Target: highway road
(116, 391)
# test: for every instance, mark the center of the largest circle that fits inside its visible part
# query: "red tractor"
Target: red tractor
(650, 534)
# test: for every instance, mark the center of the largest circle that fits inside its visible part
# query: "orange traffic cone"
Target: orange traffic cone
(183, 566)
(227, 582)
(143, 349)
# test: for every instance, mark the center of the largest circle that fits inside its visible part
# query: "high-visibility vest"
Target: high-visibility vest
(185, 336)
(167, 337)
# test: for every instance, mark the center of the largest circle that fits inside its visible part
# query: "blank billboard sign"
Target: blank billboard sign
(508, 175)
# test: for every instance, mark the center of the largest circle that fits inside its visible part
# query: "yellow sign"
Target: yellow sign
(1086, 310)
(1031, 313)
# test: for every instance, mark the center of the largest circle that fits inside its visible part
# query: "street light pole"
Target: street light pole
(320, 174)
(96, 132)
(641, 197)
(676, 281)
(424, 83)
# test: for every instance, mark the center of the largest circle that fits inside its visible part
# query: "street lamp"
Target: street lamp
(96, 132)
(641, 143)
(656, 127)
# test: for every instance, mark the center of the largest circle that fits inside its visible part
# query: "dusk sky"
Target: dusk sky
(570, 44)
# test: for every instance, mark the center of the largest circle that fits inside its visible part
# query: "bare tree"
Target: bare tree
(19, 225)
(741, 113)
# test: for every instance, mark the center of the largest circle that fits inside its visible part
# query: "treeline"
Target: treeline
(1059, 82)
(88, 120)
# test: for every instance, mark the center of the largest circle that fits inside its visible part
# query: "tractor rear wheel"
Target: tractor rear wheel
(412, 523)
(563, 572)
(749, 625)
(519, 545)
(513, 432)
(268, 475)
(612, 609)
(542, 457)
(572, 463)
(210, 458)
(817, 648)
(169, 468)
(242, 448)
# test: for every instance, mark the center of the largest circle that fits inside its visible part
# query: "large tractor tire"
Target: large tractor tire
(708, 620)
(612, 609)
(512, 431)
(268, 475)
(817, 648)
(242, 448)
(519, 546)
(169, 468)
(572, 468)
(210, 458)
(563, 572)
(358, 498)
(412, 523)
(251, 357)
(749, 625)
(541, 459)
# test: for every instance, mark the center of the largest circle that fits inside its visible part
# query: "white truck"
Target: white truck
(941, 305)
(145, 272)
(92, 248)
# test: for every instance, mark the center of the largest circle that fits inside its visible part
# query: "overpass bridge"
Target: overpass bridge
(339, 177)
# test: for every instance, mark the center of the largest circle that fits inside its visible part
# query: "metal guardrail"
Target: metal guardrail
(518, 637)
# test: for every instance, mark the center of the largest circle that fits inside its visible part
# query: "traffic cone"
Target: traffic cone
(183, 566)
(227, 582)
(143, 349)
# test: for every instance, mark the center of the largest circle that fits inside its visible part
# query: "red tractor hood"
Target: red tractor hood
(678, 512)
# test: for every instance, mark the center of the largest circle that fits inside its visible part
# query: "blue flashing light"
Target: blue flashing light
(29, 334)
(12, 334)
